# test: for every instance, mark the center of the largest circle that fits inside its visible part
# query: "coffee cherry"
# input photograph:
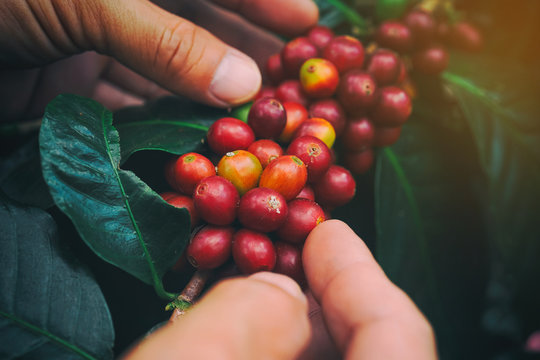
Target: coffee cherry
(303, 216)
(319, 128)
(359, 162)
(402, 76)
(262, 209)
(183, 202)
(320, 36)
(306, 193)
(384, 65)
(295, 53)
(266, 91)
(289, 261)
(466, 37)
(253, 251)
(210, 247)
(296, 114)
(394, 35)
(291, 91)
(358, 134)
(357, 91)
(319, 78)
(330, 110)
(274, 69)
(314, 154)
(267, 118)
(229, 134)
(422, 26)
(216, 200)
(393, 108)
(241, 168)
(336, 188)
(265, 150)
(188, 170)
(287, 175)
(345, 52)
(386, 136)
(430, 61)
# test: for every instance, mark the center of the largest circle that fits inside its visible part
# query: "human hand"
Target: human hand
(147, 51)
(264, 316)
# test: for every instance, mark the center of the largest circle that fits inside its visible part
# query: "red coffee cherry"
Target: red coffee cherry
(394, 35)
(358, 134)
(386, 136)
(267, 118)
(289, 261)
(185, 202)
(274, 69)
(336, 188)
(306, 193)
(295, 53)
(229, 134)
(330, 110)
(265, 150)
(303, 216)
(430, 61)
(319, 78)
(464, 36)
(314, 154)
(345, 52)
(188, 170)
(210, 247)
(422, 26)
(266, 91)
(262, 209)
(384, 65)
(241, 168)
(320, 36)
(402, 72)
(291, 91)
(357, 91)
(393, 108)
(319, 128)
(359, 162)
(296, 114)
(253, 251)
(287, 175)
(216, 200)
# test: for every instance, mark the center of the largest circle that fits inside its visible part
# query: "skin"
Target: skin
(367, 316)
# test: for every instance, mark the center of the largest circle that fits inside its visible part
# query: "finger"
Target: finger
(260, 317)
(283, 16)
(368, 316)
(114, 98)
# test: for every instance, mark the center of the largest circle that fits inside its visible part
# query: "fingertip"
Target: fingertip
(283, 282)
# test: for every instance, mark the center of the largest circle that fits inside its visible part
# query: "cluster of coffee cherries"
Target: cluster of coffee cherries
(333, 77)
(424, 38)
(267, 188)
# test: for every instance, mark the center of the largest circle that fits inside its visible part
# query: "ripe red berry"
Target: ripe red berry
(357, 91)
(358, 134)
(265, 150)
(229, 134)
(188, 170)
(266, 91)
(274, 69)
(345, 52)
(216, 200)
(430, 61)
(422, 26)
(253, 251)
(384, 65)
(330, 110)
(262, 209)
(289, 261)
(393, 108)
(336, 188)
(267, 118)
(319, 128)
(185, 202)
(306, 193)
(296, 114)
(241, 168)
(295, 53)
(210, 247)
(287, 175)
(303, 216)
(359, 162)
(402, 72)
(320, 36)
(465, 36)
(319, 78)
(314, 153)
(394, 35)
(291, 91)
(386, 136)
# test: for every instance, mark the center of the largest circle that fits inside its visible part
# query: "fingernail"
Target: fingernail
(283, 282)
(236, 80)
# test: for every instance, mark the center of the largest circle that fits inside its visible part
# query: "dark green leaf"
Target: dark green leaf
(329, 15)
(390, 9)
(168, 124)
(50, 306)
(350, 14)
(119, 217)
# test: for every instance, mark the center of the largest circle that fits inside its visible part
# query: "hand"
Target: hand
(265, 315)
(146, 50)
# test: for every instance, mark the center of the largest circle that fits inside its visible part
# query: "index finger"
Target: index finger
(368, 316)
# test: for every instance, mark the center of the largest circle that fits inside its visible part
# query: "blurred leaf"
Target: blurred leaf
(329, 15)
(348, 13)
(118, 216)
(390, 9)
(50, 306)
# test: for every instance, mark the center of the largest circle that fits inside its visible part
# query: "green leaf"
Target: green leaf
(390, 9)
(329, 15)
(351, 15)
(118, 216)
(169, 124)
(50, 305)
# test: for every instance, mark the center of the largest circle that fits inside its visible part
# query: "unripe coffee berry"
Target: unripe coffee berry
(241, 168)
(319, 128)
(229, 134)
(267, 118)
(287, 175)
(262, 209)
(216, 200)
(303, 216)
(314, 154)
(319, 78)
(210, 247)
(253, 251)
